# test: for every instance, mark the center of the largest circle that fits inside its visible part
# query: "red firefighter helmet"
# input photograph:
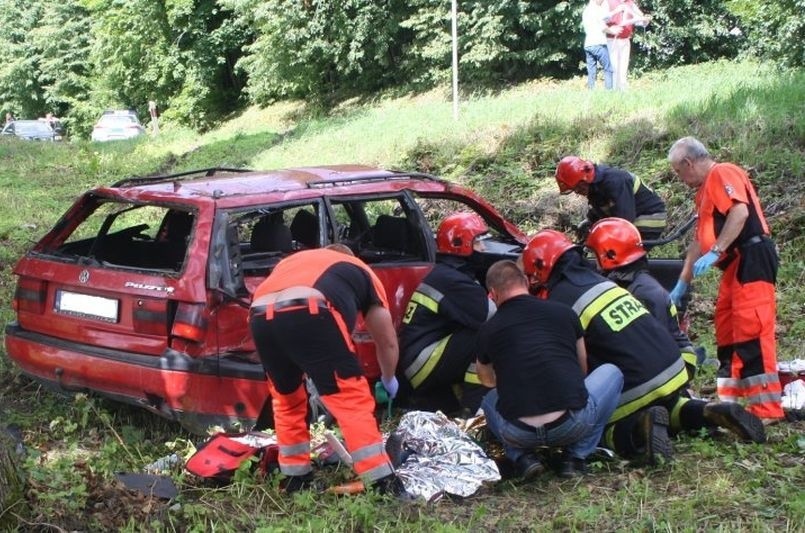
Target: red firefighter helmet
(542, 252)
(616, 242)
(571, 171)
(457, 231)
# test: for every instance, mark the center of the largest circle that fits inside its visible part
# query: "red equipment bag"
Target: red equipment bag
(219, 457)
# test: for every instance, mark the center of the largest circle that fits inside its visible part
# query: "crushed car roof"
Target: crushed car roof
(226, 182)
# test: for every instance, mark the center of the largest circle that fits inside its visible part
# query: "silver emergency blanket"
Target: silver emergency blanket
(440, 457)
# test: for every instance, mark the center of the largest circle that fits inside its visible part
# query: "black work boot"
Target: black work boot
(571, 466)
(391, 485)
(738, 420)
(653, 430)
(528, 466)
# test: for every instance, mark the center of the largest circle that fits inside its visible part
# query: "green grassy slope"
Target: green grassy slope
(504, 145)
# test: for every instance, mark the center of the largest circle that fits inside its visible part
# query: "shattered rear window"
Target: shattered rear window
(127, 235)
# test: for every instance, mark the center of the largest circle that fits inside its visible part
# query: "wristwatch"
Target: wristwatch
(716, 250)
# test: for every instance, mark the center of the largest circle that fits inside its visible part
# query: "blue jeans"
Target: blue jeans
(594, 55)
(579, 434)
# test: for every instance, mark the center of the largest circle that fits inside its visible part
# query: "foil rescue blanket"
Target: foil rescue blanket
(440, 458)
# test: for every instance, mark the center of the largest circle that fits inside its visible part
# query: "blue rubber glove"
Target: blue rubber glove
(678, 292)
(391, 385)
(704, 263)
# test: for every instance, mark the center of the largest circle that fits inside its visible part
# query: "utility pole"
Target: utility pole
(455, 59)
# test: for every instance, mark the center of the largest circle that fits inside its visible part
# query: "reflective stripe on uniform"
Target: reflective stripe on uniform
(378, 472)
(366, 452)
(663, 384)
(676, 422)
(295, 449)
(654, 220)
(471, 375)
(427, 296)
(690, 358)
(426, 361)
(728, 383)
(763, 398)
(597, 299)
(760, 379)
(583, 307)
(636, 183)
(295, 470)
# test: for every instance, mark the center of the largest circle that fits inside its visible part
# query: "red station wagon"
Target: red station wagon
(140, 292)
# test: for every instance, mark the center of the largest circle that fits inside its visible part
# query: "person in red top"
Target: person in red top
(301, 319)
(732, 234)
(624, 16)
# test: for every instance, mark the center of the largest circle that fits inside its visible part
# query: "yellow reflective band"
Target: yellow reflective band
(609, 436)
(654, 220)
(690, 359)
(649, 223)
(637, 184)
(597, 305)
(472, 378)
(616, 306)
(423, 373)
(669, 387)
(676, 422)
(427, 301)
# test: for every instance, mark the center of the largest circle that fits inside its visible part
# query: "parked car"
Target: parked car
(32, 130)
(116, 125)
(140, 292)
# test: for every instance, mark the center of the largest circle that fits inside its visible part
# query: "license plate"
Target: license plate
(88, 306)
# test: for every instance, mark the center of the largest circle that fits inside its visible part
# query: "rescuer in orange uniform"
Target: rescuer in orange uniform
(732, 234)
(301, 319)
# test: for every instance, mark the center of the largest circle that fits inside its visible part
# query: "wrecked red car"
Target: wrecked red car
(141, 290)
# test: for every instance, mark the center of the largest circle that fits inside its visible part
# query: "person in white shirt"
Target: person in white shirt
(594, 21)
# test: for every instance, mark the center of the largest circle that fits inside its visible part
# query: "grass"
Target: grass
(505, 145)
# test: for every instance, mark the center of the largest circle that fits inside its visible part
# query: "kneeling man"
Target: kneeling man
(533, 352)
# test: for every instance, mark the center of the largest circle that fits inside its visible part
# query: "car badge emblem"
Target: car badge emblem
(83, 277)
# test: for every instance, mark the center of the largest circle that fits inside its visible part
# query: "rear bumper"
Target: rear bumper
(197, 392)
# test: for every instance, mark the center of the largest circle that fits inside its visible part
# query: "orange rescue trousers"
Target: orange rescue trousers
(747, 350)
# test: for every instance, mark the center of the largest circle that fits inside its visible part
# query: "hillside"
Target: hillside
(505, 145)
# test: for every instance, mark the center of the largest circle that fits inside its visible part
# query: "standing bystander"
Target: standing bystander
(624, 16)
(593, 20)
(732, 233)
(152, 110)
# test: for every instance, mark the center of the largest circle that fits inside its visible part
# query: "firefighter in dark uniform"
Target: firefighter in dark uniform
(618, 329)
(301, 319)
(440, 327)
(612, 192)
(733, 235)
(620, 255)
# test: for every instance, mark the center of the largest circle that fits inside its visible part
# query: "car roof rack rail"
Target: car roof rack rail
(207, 172)
(363, 178)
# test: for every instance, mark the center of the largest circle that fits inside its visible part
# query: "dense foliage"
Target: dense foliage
(201, 59)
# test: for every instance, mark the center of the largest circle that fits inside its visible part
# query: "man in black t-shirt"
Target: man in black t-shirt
(533, 352)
